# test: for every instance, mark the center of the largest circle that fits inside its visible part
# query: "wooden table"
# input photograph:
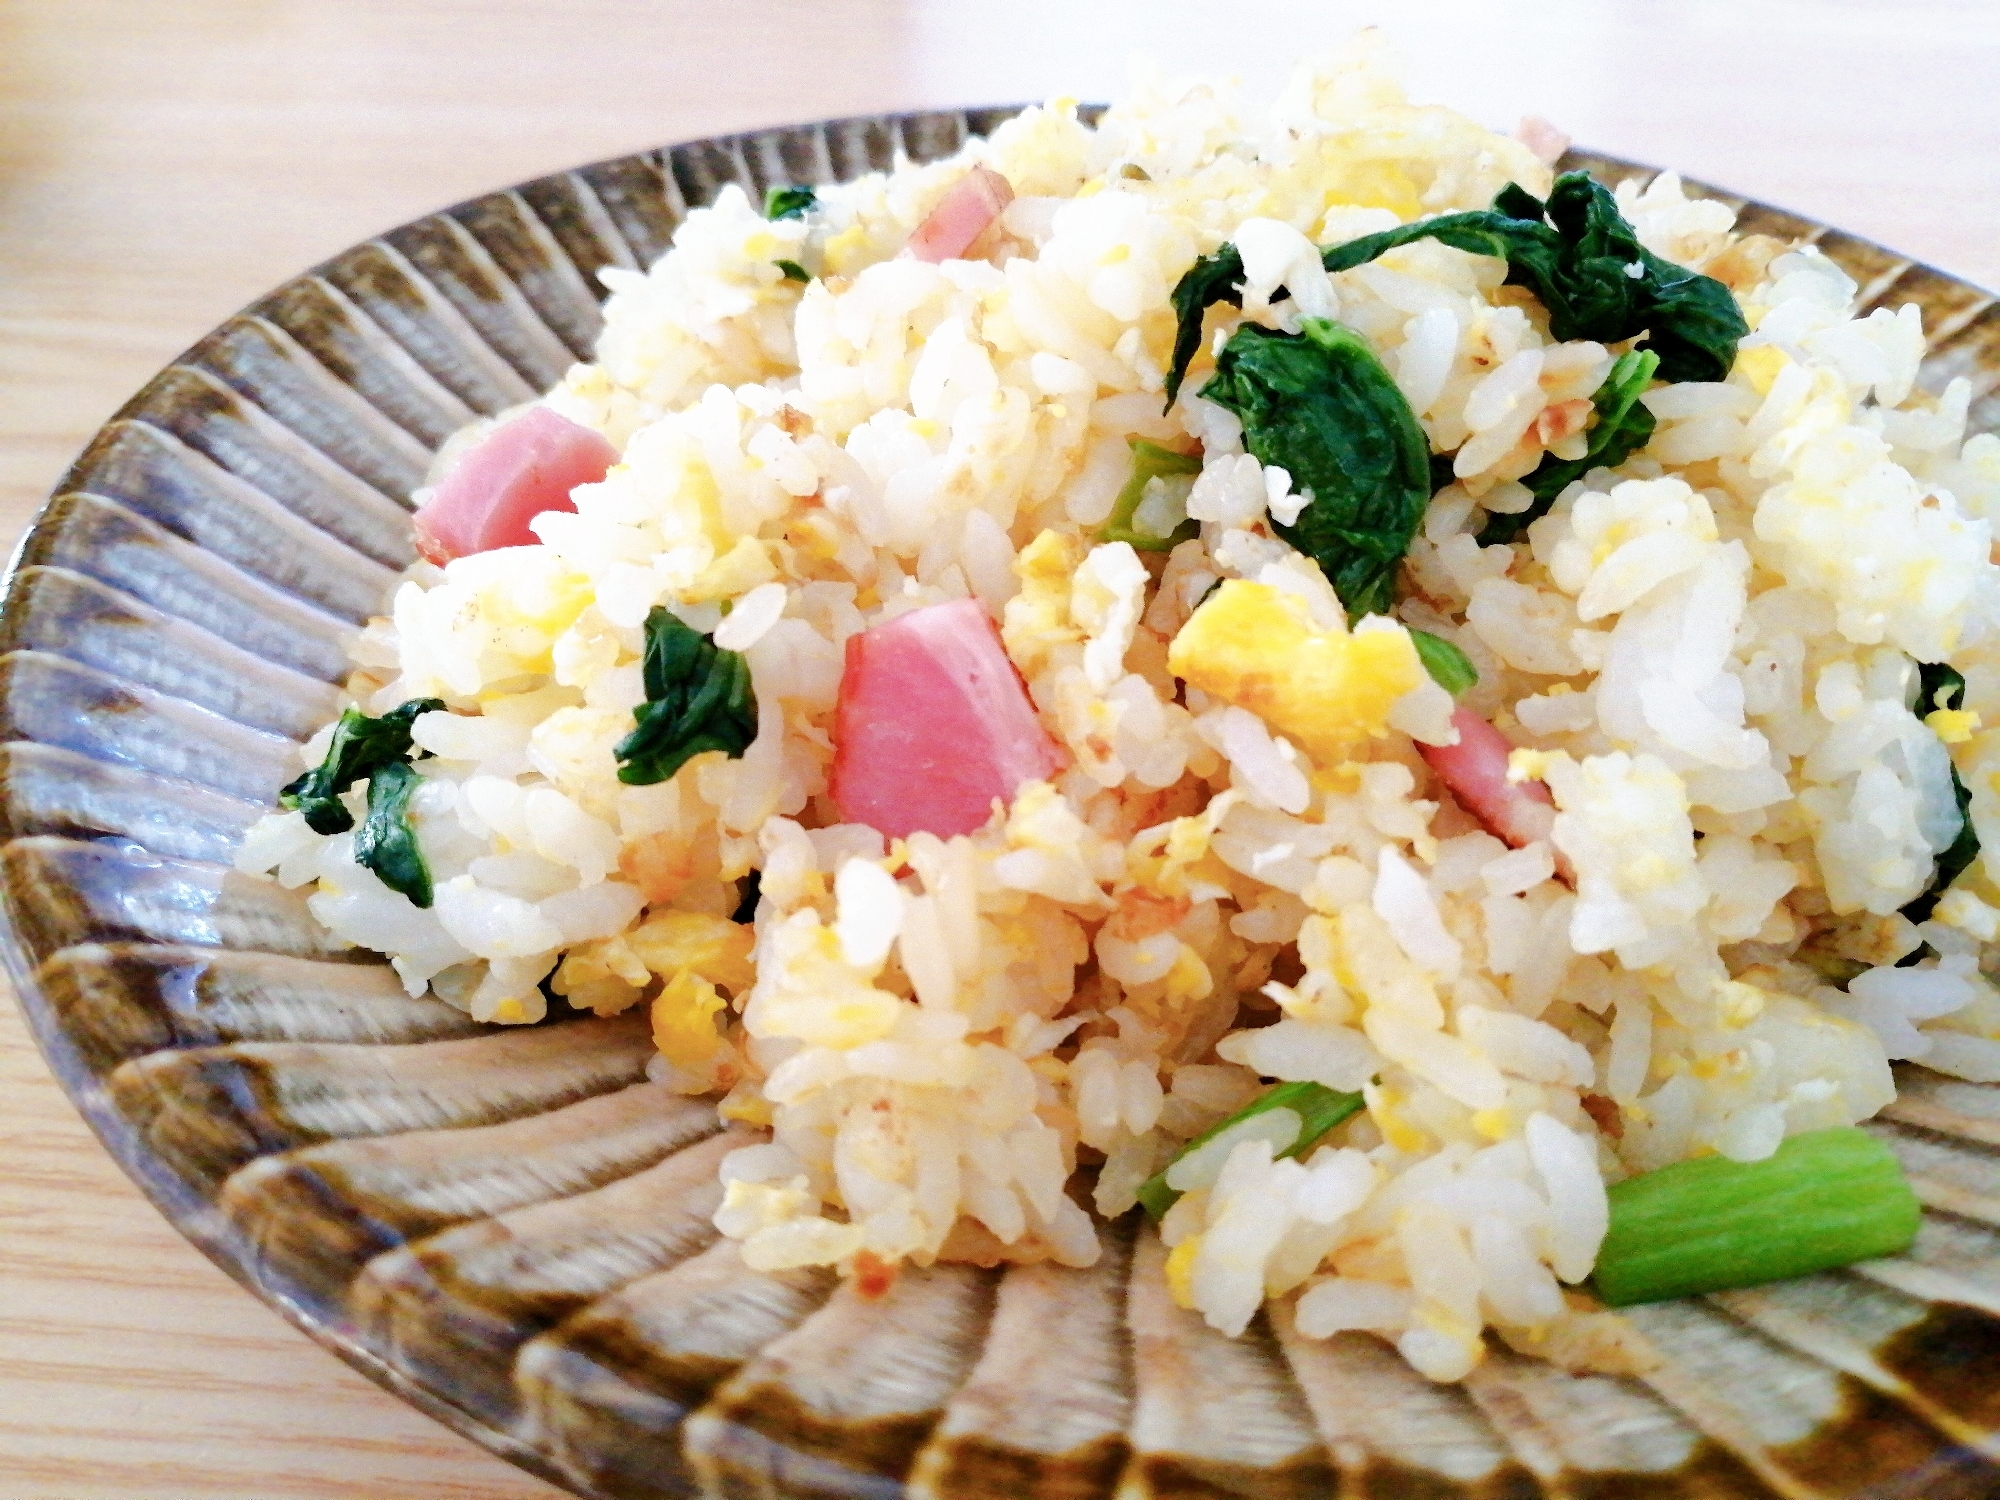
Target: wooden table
(164, 161)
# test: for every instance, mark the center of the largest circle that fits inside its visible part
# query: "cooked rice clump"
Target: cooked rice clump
(958, 1044)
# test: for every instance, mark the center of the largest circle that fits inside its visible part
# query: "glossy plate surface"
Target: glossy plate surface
(510, 1228)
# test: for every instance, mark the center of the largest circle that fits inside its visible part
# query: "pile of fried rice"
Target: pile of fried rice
(977, 1048)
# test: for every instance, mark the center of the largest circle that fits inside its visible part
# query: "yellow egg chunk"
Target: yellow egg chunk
(715, 948)
(1258, 647)
(734, 573)
(1037, 618)
(1180, 1270)
(684, 1021)
(1955, 726)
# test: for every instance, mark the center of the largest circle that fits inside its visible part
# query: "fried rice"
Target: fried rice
(979, 1047)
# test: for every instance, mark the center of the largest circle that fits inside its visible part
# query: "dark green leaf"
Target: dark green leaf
(1938, 686)
(748, 894)
(698, 698)
(1691, 321)
(1218, 278)
(359, 747)
(1212, 279)
(1942, 687)
(1318, 404)
(1450, 668)
(1149, 462)
(1528, 243)
(1516, 202)
(789, 202)
(1621, 428)
(386, 842)
(793, 270)
(1583, 260)
(1956, 859)
(1318, 1107)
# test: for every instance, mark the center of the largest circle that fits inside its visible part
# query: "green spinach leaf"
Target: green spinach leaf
(1604, 285)
(1175, 472)
(360, 747)
(1318, 404)
(1576, 252)
(1622, 428)
(1210, 280)
(1450, 668)
(386, 841)
(748, 893)
(789, 202)
(1943, 687)
(793, 270)
(1938, 686)
(698, 698)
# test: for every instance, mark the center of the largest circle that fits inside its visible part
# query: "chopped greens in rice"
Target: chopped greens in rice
(1637, 895)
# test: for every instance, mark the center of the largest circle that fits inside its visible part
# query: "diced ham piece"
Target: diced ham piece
(520, 469)
(933, 724)
(964, 214)
(1475, 772)
(1542, 138)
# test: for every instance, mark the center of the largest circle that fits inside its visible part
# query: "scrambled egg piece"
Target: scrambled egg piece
(1761, 366)
(1256, 646)
(1955, 726)
(1180, 1270)
(1173, 860)
(746, 1102)
(684, 1022)
(1038, 618)
(807, 990)
(1384, 1109)
(528, 611)
(715, 948)
(734, 573)
(609, 974)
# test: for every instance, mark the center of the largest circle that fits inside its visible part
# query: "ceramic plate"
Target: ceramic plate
(510, 1228)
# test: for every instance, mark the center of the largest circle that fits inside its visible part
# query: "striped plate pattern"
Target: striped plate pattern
(511, 1227)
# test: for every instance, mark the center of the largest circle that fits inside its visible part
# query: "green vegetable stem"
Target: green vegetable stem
(1943, 687)
(1576, 252)
(1827, 1198)
(789, 202)
(360, 747)
(1450, 668)
(1622, 428)
(1318, 404)
(698, 698)
(1142, 506)
(1317, 1107)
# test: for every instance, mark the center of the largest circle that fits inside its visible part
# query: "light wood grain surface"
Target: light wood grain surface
(164, 161)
